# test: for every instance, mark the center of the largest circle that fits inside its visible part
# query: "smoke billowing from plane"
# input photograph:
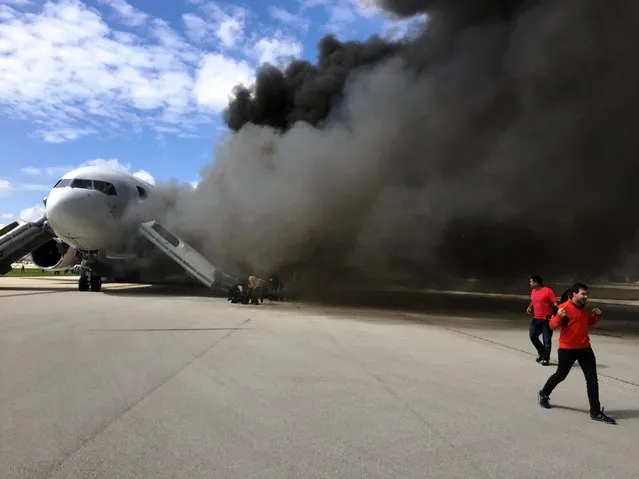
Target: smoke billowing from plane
(498, 142)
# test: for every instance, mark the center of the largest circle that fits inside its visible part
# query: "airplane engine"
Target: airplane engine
(54, 255)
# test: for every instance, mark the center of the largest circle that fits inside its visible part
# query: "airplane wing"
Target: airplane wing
(185, 256)
(17, 241)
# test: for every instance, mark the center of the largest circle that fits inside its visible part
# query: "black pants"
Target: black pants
(541, 327)
(588, 364)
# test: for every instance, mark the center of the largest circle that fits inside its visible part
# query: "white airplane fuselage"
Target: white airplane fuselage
(96, 209)
(103, 222)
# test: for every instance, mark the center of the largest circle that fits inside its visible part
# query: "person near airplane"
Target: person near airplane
(574, 345)
(543, 303)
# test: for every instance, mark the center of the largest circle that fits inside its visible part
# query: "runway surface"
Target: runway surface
(136, 382)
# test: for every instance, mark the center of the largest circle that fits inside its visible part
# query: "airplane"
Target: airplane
(99, 222)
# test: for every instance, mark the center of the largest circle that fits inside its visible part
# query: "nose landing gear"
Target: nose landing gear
(88, 279)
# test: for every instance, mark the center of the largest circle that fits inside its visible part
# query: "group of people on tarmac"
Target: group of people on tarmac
(255, 290)
(570, 314)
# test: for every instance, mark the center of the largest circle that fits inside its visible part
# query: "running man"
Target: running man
(574, 345)
(542, 306)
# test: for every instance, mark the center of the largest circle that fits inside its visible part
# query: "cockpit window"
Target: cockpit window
(98, 185)
(62, 183)
(84, 184)
(141, 192)
(104, 187)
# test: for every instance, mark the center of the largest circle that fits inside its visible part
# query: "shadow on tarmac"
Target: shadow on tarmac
(475, 311)
(485, 311)
(30, 288)
(617, 414)
(154, 290)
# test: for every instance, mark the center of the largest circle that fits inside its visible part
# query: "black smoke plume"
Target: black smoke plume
(499, 142)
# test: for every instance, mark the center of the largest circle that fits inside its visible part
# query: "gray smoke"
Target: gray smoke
(499, 142)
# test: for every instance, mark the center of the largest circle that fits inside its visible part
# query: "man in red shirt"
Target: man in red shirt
(542, 306)
(574, 345)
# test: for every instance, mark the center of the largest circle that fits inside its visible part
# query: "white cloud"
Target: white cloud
(197, 29)
(229, 24)
(31, 214)
(75, 71)
(230, 32)
(16, 2)
(7, 187)
(6, 216)
(145, 176)
(226, 25)
(49, 170)
(366, 8)
(343, 13)
(62, 135)
(216, 78)
(65, 69)
(363, 8)
(272, 49)
(289, 19)
(127, 13)
(113, 163)
(30, 187)
(315, 3)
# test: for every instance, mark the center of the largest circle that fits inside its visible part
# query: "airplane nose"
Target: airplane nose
(77, 217)
(64, 211)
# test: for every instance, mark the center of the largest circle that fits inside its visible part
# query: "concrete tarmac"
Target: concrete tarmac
(137, 382)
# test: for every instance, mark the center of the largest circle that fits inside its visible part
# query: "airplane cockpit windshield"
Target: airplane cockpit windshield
(98, 185)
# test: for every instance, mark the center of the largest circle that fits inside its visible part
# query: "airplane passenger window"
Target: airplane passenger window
(85, 184)
(141, 192)
(104, 187)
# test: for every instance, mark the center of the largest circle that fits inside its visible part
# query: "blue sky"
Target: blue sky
(140, 84)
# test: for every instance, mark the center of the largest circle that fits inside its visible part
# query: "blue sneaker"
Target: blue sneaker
(543, 400)
(601, 417)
